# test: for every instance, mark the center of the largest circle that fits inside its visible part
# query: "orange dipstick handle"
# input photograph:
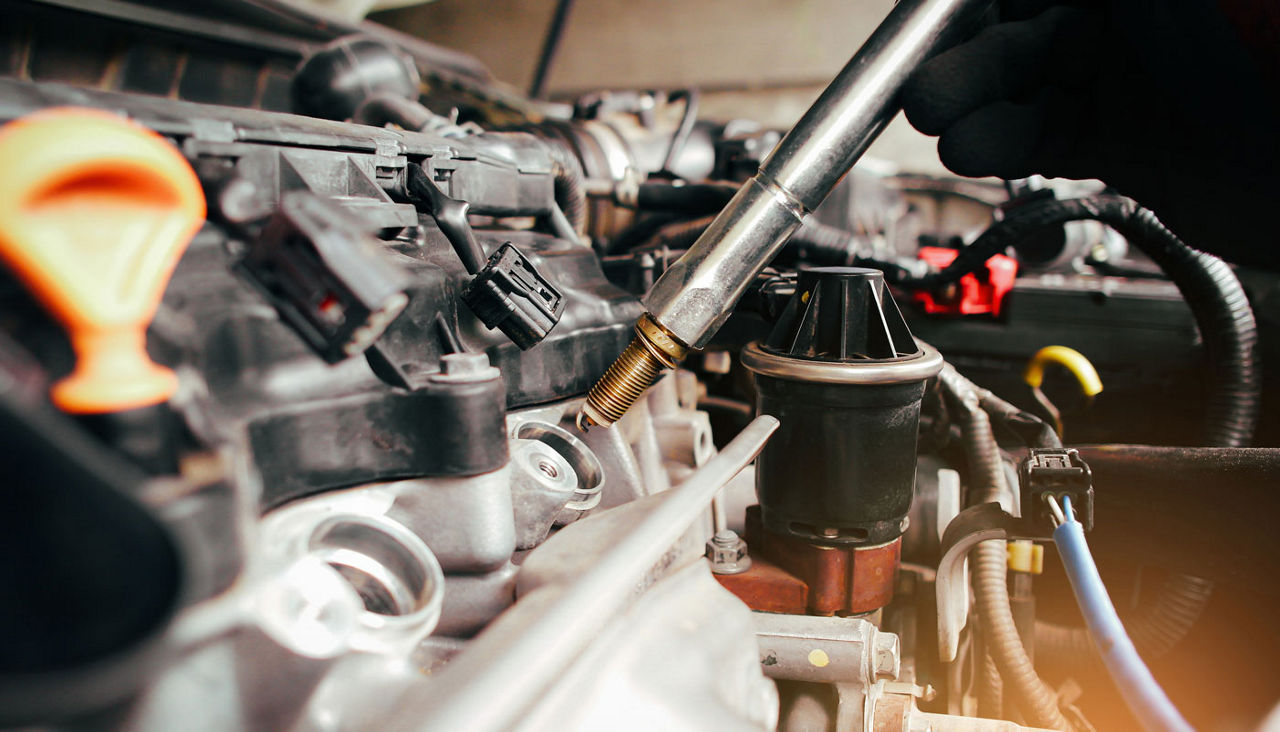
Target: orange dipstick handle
(94, 213)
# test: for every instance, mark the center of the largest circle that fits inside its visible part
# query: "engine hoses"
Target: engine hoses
(990, 562)
(814, 242)
(1229, 331)
(570, 191)
(1210, 288)
(1227, 327)
(1141, 692)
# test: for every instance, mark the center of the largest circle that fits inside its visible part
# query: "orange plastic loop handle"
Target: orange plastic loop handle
(95, 212)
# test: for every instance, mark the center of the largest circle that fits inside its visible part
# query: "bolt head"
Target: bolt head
(465, 368)
(887, 658)
(728, 553)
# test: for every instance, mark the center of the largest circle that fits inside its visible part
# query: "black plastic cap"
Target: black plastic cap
(842, 314)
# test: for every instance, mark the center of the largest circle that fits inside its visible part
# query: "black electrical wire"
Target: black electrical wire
(1111, 269)
(813, 243)
(1227, 326)
(989, 561)
(1209, 286)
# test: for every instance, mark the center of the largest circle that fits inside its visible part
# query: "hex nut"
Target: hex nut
(886, 656)
(728, 553)
(465, 368)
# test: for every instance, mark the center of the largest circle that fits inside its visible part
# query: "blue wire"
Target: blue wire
(1141, 692)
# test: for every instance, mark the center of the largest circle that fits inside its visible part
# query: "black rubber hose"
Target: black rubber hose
(1227, 326)
(813, 243)
(382, 109)
(989, 561)
(692, 199)
(1210, 288)
(1032, 430)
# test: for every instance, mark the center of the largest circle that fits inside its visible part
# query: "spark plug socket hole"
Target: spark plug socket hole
(387, 574)
(575, 454)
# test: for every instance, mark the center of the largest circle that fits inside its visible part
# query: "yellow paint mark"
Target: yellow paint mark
(818, 657)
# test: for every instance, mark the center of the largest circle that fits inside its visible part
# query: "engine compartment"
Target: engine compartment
(396, 480)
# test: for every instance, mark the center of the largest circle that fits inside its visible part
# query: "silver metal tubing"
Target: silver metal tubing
(491, 684)
(692, 298)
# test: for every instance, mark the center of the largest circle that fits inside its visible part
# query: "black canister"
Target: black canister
(843, 374)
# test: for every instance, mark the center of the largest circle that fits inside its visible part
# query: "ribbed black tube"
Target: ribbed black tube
(1180, 603)
(1229, 331)
(571, 194)
(989, 564)
(1211, 289)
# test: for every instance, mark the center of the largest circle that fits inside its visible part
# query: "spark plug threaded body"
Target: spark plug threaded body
(649, 353)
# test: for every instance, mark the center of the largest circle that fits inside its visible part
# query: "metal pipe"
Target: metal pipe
(550, 47)
(694, 297)
(492, 683)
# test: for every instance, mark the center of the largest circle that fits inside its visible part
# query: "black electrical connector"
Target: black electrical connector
(507, 292)
(511, 295)
(1055, 472)
(325, 276)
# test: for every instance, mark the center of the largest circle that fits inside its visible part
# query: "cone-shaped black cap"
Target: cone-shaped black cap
(842, 314)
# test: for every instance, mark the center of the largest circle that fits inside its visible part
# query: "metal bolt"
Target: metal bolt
(728, 553)
(465, 368)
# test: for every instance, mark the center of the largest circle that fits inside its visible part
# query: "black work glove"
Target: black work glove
(1162, 100)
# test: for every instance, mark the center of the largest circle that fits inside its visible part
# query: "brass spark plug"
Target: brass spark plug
(649, 353)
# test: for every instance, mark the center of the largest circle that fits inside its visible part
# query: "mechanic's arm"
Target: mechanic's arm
(1176, 104)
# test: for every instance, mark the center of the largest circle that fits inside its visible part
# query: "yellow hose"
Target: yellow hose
(1070, 359)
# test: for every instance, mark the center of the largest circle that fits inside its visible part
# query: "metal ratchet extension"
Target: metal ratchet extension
(695, 296)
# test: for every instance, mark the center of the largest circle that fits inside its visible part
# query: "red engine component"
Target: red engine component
(975, 293)
(796, 577)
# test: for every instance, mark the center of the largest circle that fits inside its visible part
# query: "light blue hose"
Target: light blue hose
(1139, 688)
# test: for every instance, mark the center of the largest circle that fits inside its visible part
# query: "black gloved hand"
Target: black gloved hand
(1160, 99)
